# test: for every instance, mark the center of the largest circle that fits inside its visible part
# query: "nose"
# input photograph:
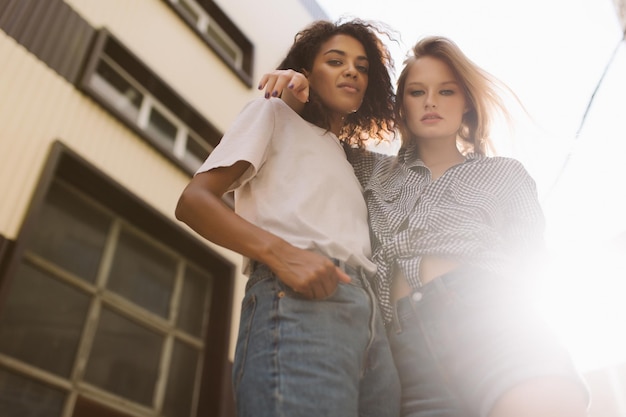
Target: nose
(350, 71)
(430, 101)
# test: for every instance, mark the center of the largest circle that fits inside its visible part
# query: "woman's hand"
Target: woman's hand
(279, 82)
(310, 274)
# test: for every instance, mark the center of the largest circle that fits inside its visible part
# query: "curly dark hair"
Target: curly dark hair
(374, 119)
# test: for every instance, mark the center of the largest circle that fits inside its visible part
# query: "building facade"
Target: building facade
(108, 305)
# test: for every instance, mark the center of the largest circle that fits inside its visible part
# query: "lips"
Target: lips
(431, 116)
(348, 87)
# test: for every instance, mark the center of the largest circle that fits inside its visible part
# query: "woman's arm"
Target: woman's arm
(200, 206)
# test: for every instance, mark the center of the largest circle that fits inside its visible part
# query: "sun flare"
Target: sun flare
(583, 299)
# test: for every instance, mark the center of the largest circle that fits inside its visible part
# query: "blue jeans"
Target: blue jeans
(465, 338)
(312, 358)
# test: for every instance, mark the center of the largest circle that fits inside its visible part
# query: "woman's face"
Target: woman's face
(340, 74)
(434, 101)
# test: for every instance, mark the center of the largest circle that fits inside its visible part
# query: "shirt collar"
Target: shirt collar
(409, 155)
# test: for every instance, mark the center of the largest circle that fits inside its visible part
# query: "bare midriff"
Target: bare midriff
(430, 268)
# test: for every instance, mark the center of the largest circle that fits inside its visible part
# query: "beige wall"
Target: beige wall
(37, 106)
(184, 61)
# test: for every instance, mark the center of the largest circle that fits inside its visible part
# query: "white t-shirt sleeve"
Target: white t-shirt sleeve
(247, 139)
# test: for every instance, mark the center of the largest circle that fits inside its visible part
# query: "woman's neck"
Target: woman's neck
(336, 122)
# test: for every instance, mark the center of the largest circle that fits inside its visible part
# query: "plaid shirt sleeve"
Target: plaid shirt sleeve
(523, 223)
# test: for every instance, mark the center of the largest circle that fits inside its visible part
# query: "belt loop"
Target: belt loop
(354, 273)
(253, 277)
(397, 326)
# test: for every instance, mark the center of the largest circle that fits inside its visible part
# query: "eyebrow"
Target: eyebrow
(443, 83)
(342, 53)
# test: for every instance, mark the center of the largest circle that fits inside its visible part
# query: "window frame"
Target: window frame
(65, 164)
(209, 15)
(156, 95)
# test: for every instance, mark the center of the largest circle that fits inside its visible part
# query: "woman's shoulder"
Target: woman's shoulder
(503, 162)
(267, 114)
(501, 170)
(262, 103)
(273, 104)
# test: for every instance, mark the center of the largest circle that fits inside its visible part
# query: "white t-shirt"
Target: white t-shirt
(299, 185)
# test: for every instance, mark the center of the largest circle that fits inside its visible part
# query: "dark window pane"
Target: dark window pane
(180, 386)
(143, 274)
(42, 321)
(90, 407)
(194, 301)
(124, 358)
(189, 10)
(71, 233)
(196, 152)
(116, 90)
(161, 129)
(23, 397)
(220, 38)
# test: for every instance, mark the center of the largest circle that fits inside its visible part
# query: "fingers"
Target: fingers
(310, 274)
(276, 81)
(268, 81)
(342, 276)
(299, 87)
(316, 288)
(318, 291)
(325, 284)
(325, 288)
(265, 79)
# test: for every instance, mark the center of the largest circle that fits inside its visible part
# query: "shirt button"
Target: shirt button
(281, 294)
(416, 296)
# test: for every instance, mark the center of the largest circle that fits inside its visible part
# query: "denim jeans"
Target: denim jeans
(465, 338)
(312, 358)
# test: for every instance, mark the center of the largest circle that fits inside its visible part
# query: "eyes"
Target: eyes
(419, 93)
(363, 69)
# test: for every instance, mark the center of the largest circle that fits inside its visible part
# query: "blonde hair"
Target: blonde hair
(481, 92)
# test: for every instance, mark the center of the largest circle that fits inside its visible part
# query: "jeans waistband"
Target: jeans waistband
(350, 270)
(357, 274)
(437, 292)
(404, 309)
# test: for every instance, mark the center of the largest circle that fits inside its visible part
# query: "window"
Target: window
(230, 48)
(210, 28)
(21, 396)
(93, 290)
(102, 305)
(219, 32)
(121, 83)
(116, 89)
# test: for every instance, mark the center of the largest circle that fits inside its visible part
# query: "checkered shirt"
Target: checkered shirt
(483, 212)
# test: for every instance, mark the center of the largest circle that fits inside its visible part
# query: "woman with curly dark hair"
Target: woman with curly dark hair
(311, 340)
(376, 110)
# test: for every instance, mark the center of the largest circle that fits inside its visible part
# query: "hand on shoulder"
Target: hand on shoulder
(290, 85)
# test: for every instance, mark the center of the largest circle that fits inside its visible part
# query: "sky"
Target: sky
(566, 62)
